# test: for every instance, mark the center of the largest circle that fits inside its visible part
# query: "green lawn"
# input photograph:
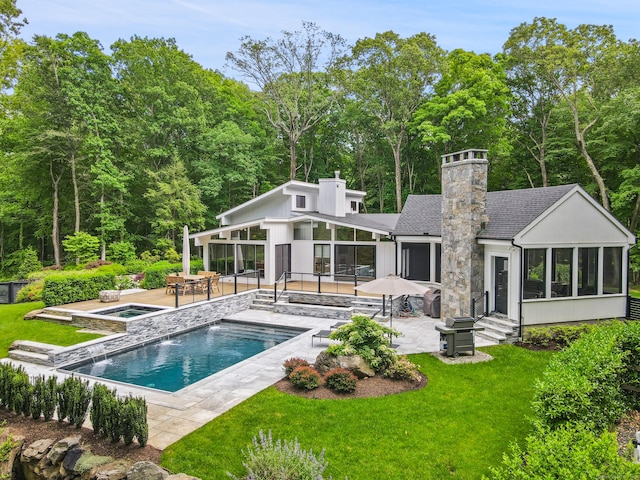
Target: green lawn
(456, 427)
(13, 327)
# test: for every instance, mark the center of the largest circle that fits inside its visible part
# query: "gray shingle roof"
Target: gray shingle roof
(509, 211)
(384, 222)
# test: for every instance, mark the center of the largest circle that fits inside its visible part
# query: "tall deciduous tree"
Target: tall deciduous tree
(576, 62)
(294, 74)
(469, 107)
(392, 77)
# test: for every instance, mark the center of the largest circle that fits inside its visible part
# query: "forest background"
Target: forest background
(124, 147)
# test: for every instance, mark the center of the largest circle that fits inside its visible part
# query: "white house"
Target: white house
(304, 228)
(539, 255)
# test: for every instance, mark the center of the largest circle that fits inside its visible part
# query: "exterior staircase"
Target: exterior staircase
(498, 328)
(368, 306)
(264, 300)
(32, 352)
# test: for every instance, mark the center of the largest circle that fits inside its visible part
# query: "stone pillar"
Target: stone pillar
(464, 191)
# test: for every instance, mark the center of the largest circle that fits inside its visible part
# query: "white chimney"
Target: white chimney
(333, 196)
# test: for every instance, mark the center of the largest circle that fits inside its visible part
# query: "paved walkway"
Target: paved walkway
(173, 415)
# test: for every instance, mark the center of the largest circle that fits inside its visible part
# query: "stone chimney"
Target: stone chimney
(464, 192)
(332, 199)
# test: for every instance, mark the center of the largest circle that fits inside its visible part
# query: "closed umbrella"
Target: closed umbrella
(392, 285)
(186, 251)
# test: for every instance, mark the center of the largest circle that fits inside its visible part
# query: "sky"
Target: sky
(208, 29)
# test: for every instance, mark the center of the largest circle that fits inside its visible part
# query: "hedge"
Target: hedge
(154, 275)
(70, 287)
(584, 382)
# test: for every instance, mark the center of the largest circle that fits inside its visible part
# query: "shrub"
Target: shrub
(340, 380)
(570, 452)
(291, 363)
(133, 424)
(582, 382)
(82, 247)
(22, 393)
(280, 460)
(99, 412)
(96, 264)
(31, 292)
(44, 397)
(74, 396)
(403, 369)
(365, 337)
(540, 336)
(305, 377)
(21, 263)
(154, 276)
(70, 287)
(121, 252)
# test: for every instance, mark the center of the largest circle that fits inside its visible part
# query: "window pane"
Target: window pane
(366, 261)
(257, 233)
(221, 258)
(345, 260)
(561, 261)
(612, 270)
(416, 261)
(321, 231)
(239, 234)
(344, 234)
(260, 259)
(587, 271)
(534, 273)
(322, 259)
(302, 231)
(364, 236)
(300, 201)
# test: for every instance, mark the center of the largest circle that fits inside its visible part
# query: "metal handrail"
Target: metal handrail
(484, 296)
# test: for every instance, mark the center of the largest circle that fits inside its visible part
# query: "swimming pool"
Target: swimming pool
(186, 358)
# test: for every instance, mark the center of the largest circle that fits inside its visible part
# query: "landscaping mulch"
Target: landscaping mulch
(33, 430)
(377, 386)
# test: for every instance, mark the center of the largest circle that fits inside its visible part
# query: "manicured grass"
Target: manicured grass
(456, 427)
(634, 291)
(14, 327)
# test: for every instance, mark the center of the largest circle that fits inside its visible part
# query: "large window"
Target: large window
(227, 259)
(416, 264)
(561, 272)
(534, 274)
(301, 201)
(587, 271)
(321, 231)
(354, 260)
(612, 270)
(322, 258)
(344, 234)
(302, 231)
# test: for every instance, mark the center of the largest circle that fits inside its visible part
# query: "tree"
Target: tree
(174, 200)
(295, 77)
(576, 63)
(392, 76)
(469, 107)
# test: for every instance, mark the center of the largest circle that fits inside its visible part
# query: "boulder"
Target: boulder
(61, 447)
(146, 471)
(112, 471)
(354, 363)
(36, 450)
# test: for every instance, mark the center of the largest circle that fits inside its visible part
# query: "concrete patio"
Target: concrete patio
(173, 415)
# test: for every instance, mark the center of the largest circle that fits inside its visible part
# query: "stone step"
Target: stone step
(500, 322)
(263, 301)
(29, 357)
(58, 311)
(492, 336)
(492, 327)
(48, 317)
(35, 347)
(373, 302)
(265, 307)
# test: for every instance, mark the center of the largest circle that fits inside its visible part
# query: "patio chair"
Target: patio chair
(213, 285)
(173, 282)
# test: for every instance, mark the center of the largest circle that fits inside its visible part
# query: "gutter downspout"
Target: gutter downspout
(520, 332)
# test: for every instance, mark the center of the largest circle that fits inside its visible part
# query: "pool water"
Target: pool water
(183, 359)
(128, 311)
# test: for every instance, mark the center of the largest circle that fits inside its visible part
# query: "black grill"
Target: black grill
(457, 335)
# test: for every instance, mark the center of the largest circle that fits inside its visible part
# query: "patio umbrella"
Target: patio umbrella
(392, 285)
(186, 251)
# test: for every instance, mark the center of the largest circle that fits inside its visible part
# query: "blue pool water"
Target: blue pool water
(184, 359)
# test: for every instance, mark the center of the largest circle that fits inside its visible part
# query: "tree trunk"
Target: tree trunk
(292, 158)
(633, 225)
(76, 195)
(55, 233)
(398, 175)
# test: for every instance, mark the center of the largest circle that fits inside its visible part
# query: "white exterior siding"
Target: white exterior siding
(536, 312)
